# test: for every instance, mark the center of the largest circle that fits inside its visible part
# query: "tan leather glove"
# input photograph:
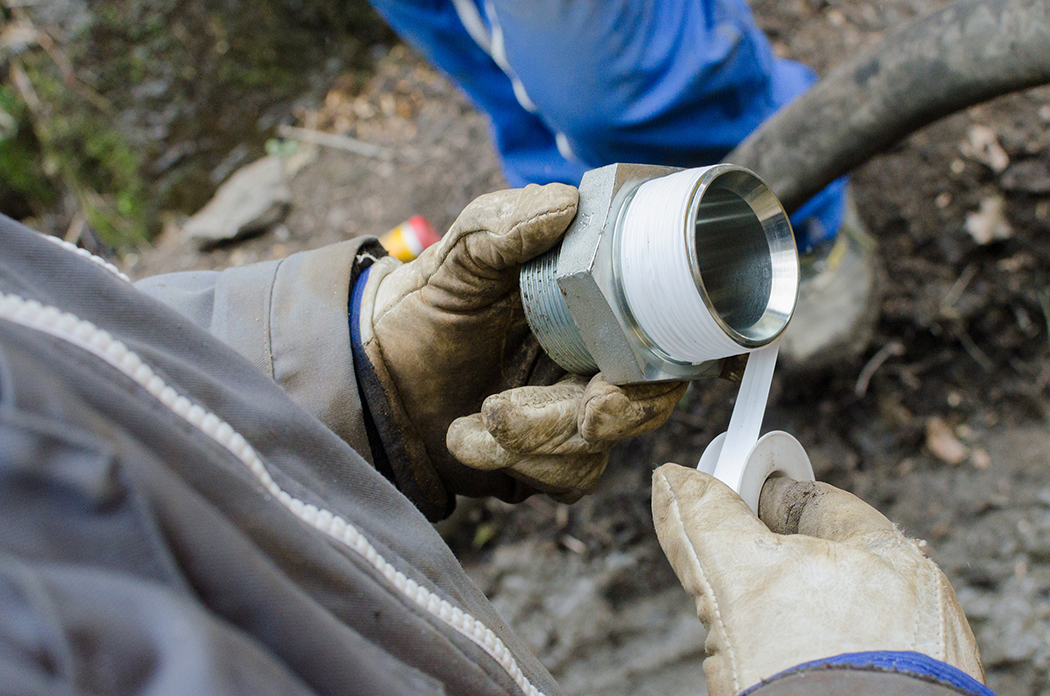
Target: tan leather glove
(447, 331)
(829, 575)
(557, 438)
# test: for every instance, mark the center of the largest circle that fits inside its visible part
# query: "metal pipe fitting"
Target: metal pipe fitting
(663, 272)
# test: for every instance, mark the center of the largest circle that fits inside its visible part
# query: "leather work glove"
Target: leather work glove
(557, 438)
(825, 575)
(446, 332)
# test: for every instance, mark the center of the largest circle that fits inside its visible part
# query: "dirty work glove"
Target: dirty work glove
(557, 438)
(825, 575)
(447, 330)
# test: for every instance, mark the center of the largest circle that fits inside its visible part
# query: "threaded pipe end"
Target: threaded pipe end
(549, 316)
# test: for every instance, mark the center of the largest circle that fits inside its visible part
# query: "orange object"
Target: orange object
(408, 240)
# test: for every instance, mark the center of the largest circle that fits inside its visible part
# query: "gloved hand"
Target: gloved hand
(446, 332)
(824, 576)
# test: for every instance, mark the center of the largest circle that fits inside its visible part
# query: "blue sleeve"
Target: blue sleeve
(525, 143)
(908, 663)
(568, 85)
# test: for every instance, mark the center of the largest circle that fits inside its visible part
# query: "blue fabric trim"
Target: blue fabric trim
(355, 315)
(908, 663)
(365, 376)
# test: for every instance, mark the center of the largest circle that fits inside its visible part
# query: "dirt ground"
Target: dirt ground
(941, 423)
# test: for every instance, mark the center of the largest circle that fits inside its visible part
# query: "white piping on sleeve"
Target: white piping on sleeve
(491, 42)
(495, 46)
(85, 335)
(522, 96)
(564, 148)
(499, 56)
(472, 22)
(84, 253)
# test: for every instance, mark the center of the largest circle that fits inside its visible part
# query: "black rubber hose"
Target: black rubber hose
(932, 66)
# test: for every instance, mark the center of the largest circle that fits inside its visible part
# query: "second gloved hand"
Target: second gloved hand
(447, 339)
(828, 576)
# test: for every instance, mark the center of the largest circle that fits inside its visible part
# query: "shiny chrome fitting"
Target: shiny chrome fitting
(742, 262)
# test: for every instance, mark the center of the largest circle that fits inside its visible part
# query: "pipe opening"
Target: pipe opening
(746, 264)
(733, 257)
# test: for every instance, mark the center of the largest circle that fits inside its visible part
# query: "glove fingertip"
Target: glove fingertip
(494, 405)
(818, 509)
(780, 504)
(553, 206)
(672, 481)
(501, 418)
(469, 441)
(594, 417)
(611, 414)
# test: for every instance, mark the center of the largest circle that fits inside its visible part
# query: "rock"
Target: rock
(1014, 631)
(1028, 176)
(255, 198)
(1034, 533)
(603, 624)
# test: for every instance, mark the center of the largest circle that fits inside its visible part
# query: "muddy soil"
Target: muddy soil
(941, 423)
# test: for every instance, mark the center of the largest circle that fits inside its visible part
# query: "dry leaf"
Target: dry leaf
(983, 145)
(943, 444)
(989, 223)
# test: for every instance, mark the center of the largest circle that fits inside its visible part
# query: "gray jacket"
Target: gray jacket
(177, 517)
(171, 522)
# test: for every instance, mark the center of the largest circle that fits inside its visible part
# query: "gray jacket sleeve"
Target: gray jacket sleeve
(289, 319)
(172, 523)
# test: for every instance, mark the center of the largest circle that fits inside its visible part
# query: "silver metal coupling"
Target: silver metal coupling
(663, 272)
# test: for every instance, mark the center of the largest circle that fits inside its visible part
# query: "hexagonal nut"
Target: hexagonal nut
(572, 299)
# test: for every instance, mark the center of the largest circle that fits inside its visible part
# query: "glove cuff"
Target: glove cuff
(409, 463)
(872, 672)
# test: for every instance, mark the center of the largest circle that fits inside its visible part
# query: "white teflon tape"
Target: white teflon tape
(655, 263)
(748, 412)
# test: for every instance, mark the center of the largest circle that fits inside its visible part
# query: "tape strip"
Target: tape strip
(748, 412)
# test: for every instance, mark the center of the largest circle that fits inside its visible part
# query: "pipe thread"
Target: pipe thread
(548, 315)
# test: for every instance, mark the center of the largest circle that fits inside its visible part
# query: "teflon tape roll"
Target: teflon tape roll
(738, 457)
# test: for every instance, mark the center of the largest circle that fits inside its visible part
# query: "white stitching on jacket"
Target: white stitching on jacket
(85, 335)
